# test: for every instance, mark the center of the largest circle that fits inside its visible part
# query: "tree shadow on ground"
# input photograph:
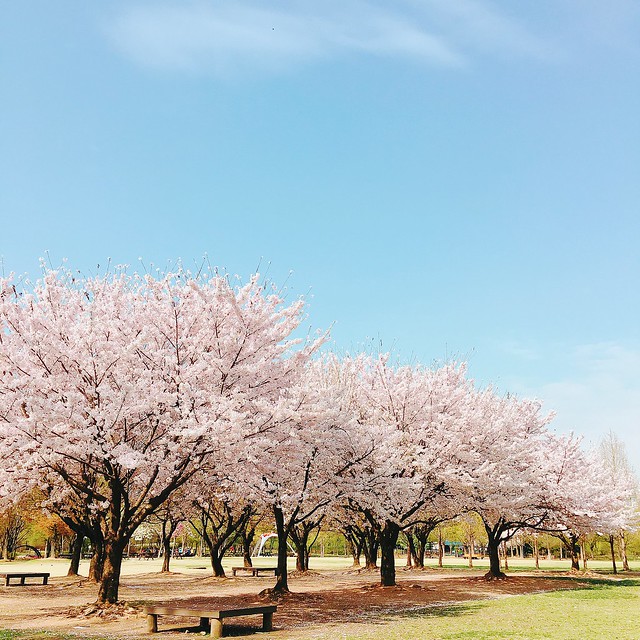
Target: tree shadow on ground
(369, 602)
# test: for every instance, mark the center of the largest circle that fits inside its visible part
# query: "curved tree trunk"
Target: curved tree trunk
(216, 552)
(494, 538)
(247, 534)
(216, 561)
(76, 553)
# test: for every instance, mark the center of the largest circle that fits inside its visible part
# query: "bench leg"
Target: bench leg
(22, 579)
(45, 580)
(204, 623)
(267, 621)
(216, 627)
(152, 623)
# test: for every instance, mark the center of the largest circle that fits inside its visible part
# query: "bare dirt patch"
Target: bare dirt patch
(334, 597)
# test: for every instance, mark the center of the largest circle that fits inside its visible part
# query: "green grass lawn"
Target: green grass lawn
(604, 611)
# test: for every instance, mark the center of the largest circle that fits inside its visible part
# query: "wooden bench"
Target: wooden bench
(22, 576)
(255, 571)
(209, 618)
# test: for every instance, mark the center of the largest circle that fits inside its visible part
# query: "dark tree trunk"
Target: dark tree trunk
(169, 527)
(216, 561)
(218, 526)
(494, 535)
(216, 553)
(76, 553)
(282, 583)
(300, 535)
(613, 553)
(371, 545)
(300, 538)
(495, 570)
(570, 543)
(248, 535)
(440, 547)
(110, 582)
(354, 536)
(302, 559)
(421, 534)
(574, 552)
(388, 540)
(166, 554)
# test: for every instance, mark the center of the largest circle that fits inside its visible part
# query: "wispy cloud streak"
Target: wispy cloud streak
(601, 393)
(224, 37)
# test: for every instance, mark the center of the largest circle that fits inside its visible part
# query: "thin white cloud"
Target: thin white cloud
(224, 37)
(478, 26)
(601, 394)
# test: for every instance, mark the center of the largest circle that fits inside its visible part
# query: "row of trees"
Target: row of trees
(123, 397)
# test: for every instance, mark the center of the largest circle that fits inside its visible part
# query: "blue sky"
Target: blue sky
(441, 178)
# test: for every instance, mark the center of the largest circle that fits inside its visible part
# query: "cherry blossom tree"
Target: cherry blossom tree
(614, 459)
(500, 475)
(220, 513)
(123, 387)
(301, 466)
(417, 416)
(584, 496)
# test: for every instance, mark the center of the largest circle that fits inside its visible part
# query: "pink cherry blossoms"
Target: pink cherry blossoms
(119, 394)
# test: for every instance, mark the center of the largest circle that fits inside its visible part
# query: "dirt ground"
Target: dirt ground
(318, 599)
